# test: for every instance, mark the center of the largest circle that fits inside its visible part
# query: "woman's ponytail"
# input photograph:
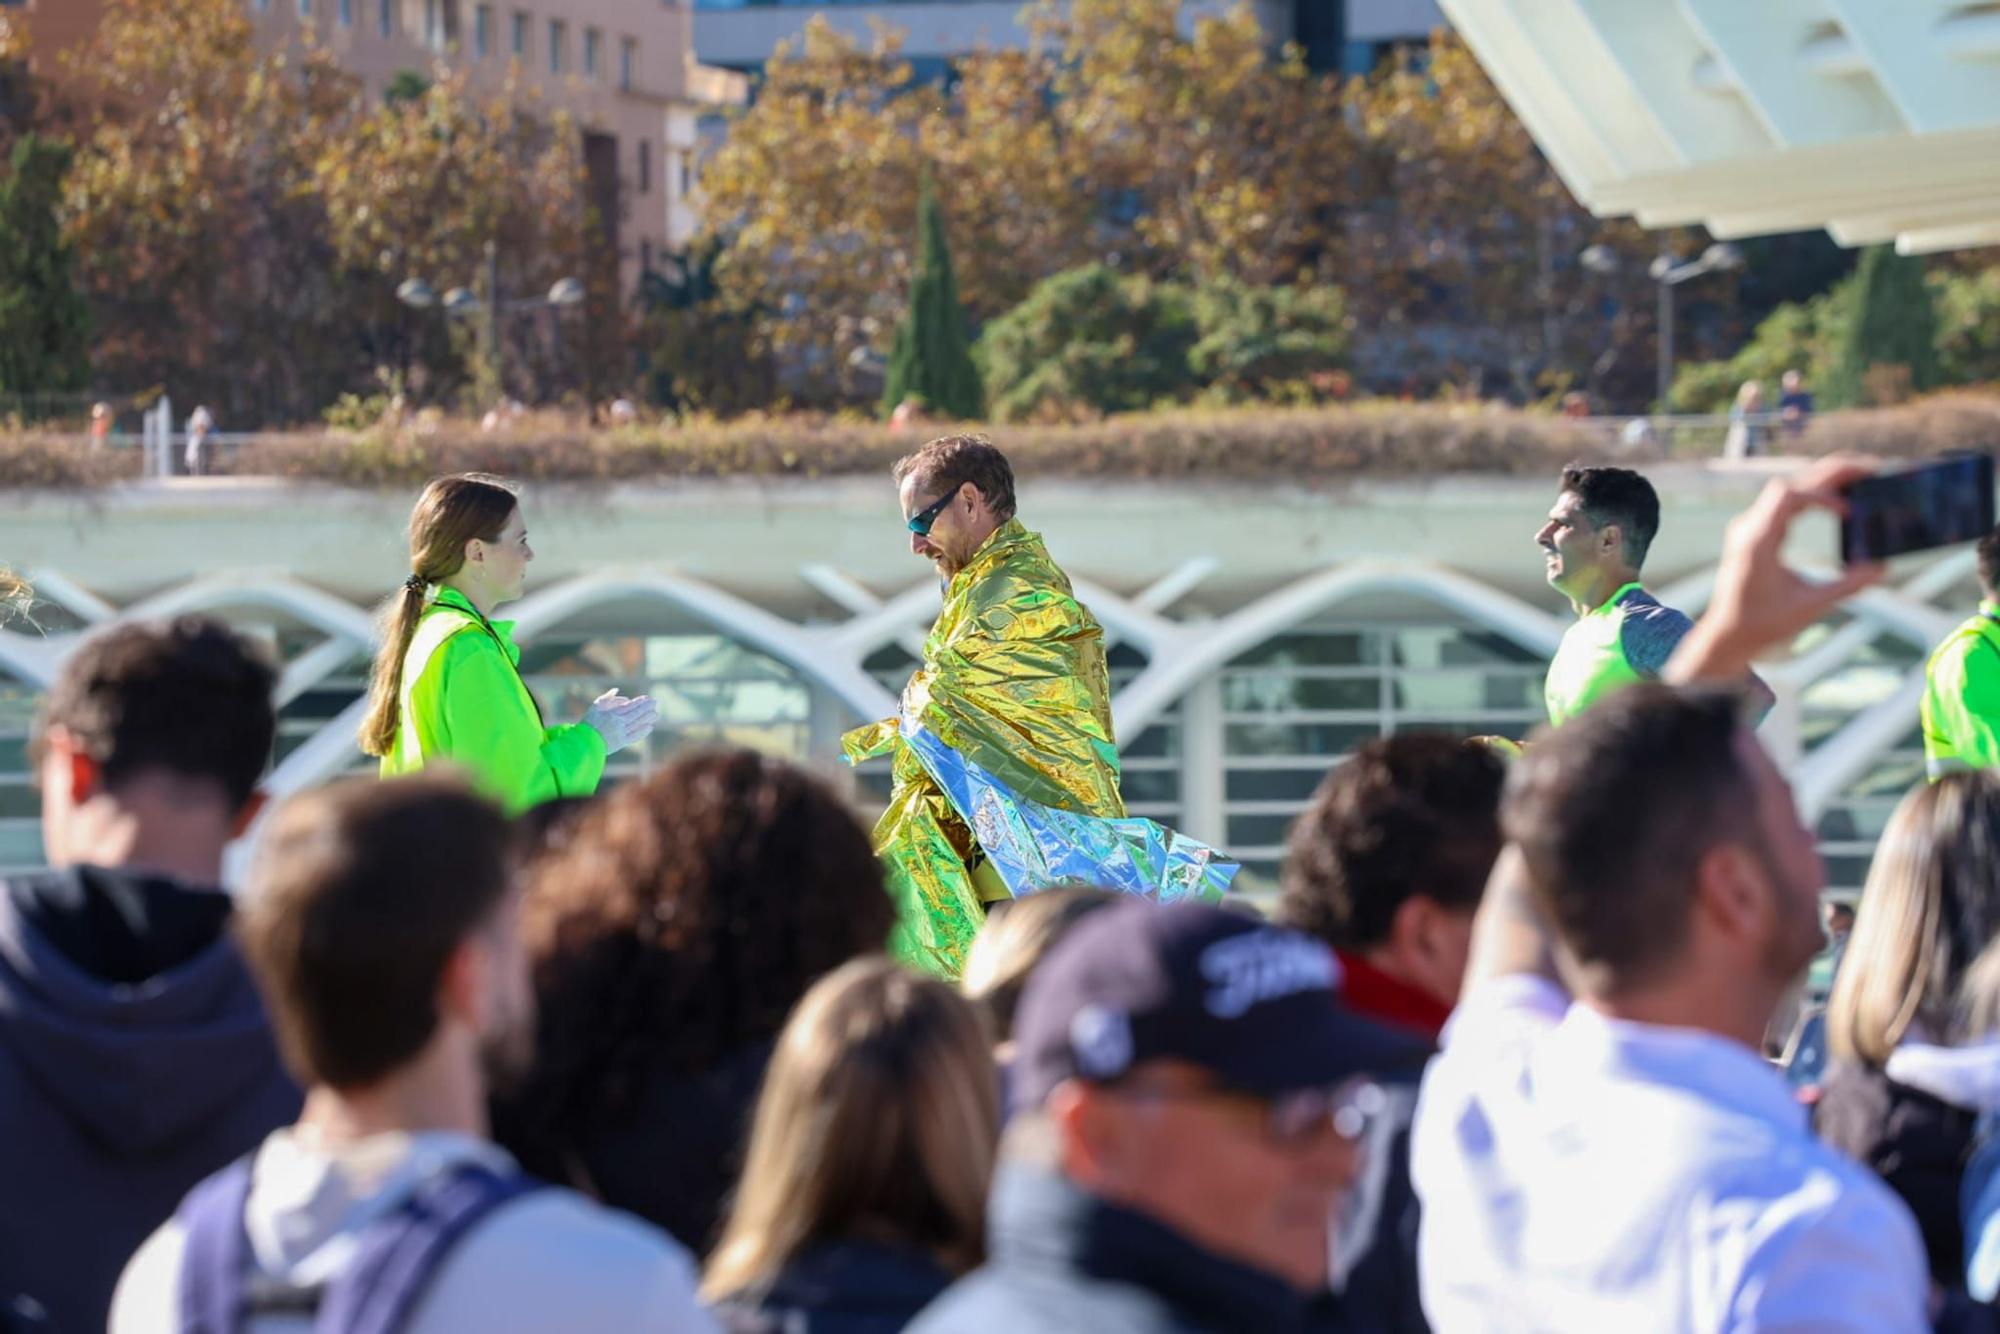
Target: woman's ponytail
(451, 512)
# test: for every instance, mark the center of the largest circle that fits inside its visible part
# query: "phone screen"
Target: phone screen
(1913, 509)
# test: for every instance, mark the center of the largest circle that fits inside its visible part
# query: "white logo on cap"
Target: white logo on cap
(1264, 965)
(1101, 1040)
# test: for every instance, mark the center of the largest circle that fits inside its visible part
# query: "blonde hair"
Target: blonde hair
(1014, 940)
(1929, 912)
(451, 512)
(879, 1118)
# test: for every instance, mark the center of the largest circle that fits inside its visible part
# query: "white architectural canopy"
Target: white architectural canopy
(1878, 120)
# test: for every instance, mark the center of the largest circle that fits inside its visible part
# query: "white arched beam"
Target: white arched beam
(807, 650)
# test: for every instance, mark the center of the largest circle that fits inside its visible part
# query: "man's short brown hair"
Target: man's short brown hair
(359, 896)
(1411, 814)
(1613, 812)
(950, 461)
(190, 696)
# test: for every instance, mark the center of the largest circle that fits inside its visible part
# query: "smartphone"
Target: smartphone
(1913, 509)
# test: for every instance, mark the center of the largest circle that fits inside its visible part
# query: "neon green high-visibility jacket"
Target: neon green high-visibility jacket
(1961, 708)
(464, 701)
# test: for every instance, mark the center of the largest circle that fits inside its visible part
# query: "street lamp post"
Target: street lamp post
(1669, 274)
(463, 303)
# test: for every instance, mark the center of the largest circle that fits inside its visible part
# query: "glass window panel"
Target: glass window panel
(1278, 692)
(1846, 871)
(1155, 785)
(1259, 830)
(20, 843)
(1327, 739)
(19, 801)
(1273, 784)
(1332, 648)
(1155, 741)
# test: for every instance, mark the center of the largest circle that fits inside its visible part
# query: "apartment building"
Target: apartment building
(625, 69)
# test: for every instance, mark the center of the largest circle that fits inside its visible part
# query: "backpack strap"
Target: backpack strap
(399, 1255)
(215, 1257)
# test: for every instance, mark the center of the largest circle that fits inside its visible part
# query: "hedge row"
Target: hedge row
(1299, 445)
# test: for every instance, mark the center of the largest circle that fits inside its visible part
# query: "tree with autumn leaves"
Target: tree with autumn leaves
(1183, 153)
(241, 216)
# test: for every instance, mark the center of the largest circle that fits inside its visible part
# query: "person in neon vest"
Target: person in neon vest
(1961, 706)
(1595, 543)
(447, 682)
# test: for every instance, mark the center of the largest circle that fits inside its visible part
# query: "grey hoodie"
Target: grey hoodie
(135, 1059)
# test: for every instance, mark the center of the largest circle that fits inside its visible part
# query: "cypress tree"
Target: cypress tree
(932, 356)
(44, 322)
(1893, 323)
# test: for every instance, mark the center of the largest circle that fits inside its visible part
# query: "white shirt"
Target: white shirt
(548, 1261)
(1590, 1174)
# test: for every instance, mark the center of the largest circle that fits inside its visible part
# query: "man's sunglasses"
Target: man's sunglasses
(920, 523)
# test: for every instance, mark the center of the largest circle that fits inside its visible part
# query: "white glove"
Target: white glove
(621, 721)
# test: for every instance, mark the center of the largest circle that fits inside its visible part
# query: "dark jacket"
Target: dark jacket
(672, 1159)
(1062, 1262)
(850, 1287)
(134, 1060)
(1916, 1143)
(1375, 1246)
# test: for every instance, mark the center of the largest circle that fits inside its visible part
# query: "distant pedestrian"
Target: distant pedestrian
(100, 427)
(1746, 433)
(199, 426)
(1795, 403)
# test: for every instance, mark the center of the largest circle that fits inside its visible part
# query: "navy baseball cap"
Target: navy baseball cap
(1255, 1005)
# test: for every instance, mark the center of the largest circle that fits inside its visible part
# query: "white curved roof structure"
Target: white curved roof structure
(1878, 120)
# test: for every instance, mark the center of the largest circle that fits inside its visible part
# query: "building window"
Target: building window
(687, 173)
(593, 43)
(385, 17)
(520, 34)
(645, 256)
(346, 13)
(628, 63)
(558, 39)
(305, 9)
(482, 31)
(433, 25)
(645, 166)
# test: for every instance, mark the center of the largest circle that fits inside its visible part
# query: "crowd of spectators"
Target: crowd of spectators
(640, 1062)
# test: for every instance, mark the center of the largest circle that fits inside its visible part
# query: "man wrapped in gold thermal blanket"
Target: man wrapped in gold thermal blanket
(1006, 768)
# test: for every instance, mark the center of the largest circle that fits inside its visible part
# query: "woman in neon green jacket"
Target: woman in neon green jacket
(447, 683)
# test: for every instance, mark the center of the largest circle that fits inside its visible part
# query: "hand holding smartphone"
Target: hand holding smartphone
(1935, 504)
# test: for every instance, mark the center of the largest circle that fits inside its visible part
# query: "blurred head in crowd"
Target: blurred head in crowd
(1018, 935)
(684, 918)
(1988, 553)
(466, 533)
(1390, 860)
(149, 747)
(545, 829)
(1597, 534)
(878, 1121)
(1665, 847)
(1837, 918)
(382, 926)
(1193, 1065)
(1930, 909)
(957, 489)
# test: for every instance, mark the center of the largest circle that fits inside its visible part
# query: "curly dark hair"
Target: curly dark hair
(1416, 813)
(681, 921)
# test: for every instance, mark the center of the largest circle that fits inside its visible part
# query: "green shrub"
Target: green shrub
(1893, 323)
(1801, 336)
(1253, 339)
(1968, 312)
(1088, 338)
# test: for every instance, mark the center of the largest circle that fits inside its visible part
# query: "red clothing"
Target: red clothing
(1367, 990)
